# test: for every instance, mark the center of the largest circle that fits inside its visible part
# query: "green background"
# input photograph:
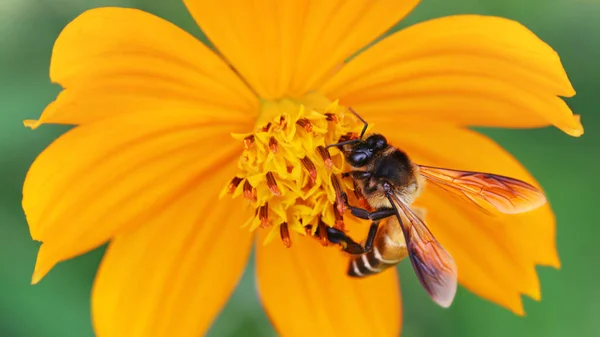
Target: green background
(567, 168)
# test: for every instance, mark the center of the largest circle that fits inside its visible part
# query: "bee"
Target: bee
(387, 182)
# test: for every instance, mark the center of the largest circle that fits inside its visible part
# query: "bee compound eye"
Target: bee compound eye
(358, 158)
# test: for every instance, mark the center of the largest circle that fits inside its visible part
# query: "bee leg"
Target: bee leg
(350, 246)
(371, 236)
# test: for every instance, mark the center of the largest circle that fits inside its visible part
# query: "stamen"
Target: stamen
(332, 118)
(305, 123)
(284, 233)
(263, 215)
(326, 157)
(282, 122)
(310, 167)
(348, 136)
(272, 183)
(339, 200)
(266, 127)
(235, 182)
(248, 141)
(273, 145)
(249, 191)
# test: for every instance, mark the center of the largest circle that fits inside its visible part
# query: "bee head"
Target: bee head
(363, 151)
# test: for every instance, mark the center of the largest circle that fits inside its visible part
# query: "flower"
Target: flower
(152, 149)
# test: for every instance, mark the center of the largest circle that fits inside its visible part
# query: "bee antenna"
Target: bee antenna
(366, 125)
(351, 141)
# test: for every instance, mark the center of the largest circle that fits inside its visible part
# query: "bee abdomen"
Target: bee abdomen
(368, 264)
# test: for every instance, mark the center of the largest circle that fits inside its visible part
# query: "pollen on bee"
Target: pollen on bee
(249, 191)
(248, 141)
(272, 184)
(235, 182)
(325, 156)
(273, 145)
(310, 167)
(263, 215)
(305, 123)
(284, 233)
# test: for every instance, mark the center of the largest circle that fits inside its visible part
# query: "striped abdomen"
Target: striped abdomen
(388, 250)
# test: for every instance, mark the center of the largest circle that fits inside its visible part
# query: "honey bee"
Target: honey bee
(387, 182)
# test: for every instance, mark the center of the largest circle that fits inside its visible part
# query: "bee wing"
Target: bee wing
(507, 195)
(435, 268)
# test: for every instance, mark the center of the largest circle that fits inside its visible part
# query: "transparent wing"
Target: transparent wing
(505, 194)
(433, 265)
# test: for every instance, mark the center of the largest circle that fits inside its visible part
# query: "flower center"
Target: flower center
(286, 173)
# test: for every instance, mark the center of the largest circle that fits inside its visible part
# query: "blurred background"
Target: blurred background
(566, 167)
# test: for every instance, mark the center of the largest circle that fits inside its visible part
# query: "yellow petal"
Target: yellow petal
(306, 292)
(173, 275)
(118, 60)
(115, 174)
(287, 47)
(496, 256)
(466, 70)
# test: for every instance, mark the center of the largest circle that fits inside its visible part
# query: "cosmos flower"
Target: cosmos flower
(183, 157)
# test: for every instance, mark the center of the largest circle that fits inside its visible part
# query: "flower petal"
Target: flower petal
(496, 256)
(465, 70)
(306, 292)
(119, 60)
(287, 47)
(173, 275)
(104, 177)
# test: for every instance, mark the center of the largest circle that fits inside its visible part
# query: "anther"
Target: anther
(284, 233)
(263, 215)
(305, 123)
(310, 167)
(248, 141)
(249, 191)
(273, 145)
(235, 182)
(332, 118)
(266, 127)
(339, 199)
(348, 136)
(272, 183)
(325, 156)
(282, 122)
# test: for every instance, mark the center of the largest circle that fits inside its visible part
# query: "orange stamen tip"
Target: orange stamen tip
(263, 216)
(248, 141)
(284, 233)
(273, 145)
(325, 156)
(235, 182)
(310, 167)
(272, 183)
(249, 191)
(305, 123)
(332, 118)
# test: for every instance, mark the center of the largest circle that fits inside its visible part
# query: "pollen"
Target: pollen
(286, 174)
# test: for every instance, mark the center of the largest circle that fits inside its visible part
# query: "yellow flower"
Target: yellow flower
(153, 149)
